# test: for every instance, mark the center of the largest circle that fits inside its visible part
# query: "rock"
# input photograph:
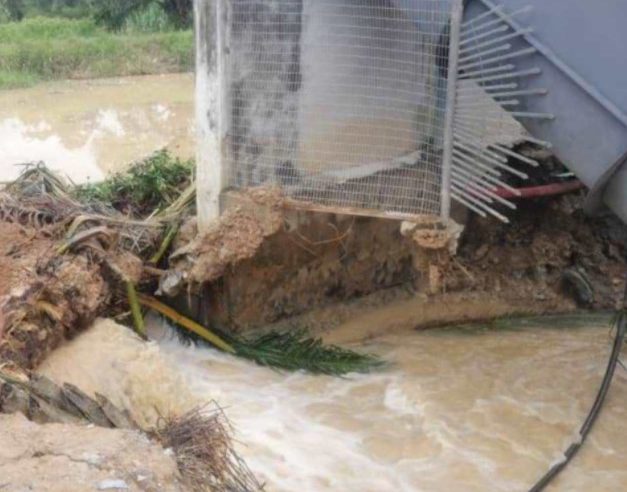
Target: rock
(113, 485)
(481, 252)
(171, 284)
(436, 238)
(408, 228)
(577, 284)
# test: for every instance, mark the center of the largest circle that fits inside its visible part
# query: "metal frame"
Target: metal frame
(559, 63)
(447, 157)
(468, 172)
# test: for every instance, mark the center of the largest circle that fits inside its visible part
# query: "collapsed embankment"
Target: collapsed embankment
(69, 256)
(64, 264)
(260, 265)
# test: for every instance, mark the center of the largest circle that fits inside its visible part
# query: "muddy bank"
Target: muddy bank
(45, 298)
(551, 258)
(133, 394)
(550, 250)
(72, 458)
(263, 264)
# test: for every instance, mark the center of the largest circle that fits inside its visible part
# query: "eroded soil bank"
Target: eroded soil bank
(322, 267)
(263, 265)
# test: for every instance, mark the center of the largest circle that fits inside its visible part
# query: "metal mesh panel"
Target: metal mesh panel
(341, 103)
(491, 94)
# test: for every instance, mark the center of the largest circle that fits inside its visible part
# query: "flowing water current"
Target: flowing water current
(463, 410)
(466, 409)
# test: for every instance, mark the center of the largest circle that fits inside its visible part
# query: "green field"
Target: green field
(52, 48)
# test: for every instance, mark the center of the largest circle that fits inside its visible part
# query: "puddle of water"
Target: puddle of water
(86, 129)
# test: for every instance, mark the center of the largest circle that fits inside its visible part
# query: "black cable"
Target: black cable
(569, 454)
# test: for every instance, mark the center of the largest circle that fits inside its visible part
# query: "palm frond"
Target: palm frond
(296, 350)
(291, 351)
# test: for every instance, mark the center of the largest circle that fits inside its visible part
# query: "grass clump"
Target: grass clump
(46, 29)
(42, 48)
(147, 187)
(151, 19)
(16, 80)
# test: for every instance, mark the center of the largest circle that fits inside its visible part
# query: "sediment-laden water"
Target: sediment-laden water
(88, 128)
(457, 410)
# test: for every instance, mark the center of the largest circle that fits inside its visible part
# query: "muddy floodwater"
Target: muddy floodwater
(457, 410)
(89, 128)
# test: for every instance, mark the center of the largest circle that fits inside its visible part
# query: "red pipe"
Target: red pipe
(543, 190)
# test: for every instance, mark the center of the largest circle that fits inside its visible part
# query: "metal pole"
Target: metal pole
(451, 97)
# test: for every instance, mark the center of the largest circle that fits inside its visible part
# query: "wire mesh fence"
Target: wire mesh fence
(340, 103)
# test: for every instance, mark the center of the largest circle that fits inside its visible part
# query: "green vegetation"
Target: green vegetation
(296, 351)
(148, 186)
(12, 10)
(14, 80)
(112, 14)
(292, 351)
(16, 10)
(115, 13)
(62, 39)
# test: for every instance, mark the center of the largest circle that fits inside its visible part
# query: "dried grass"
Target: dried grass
(202, 443)
(41, 199)
(84, 250)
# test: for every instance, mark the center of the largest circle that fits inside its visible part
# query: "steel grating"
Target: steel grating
(340, 103)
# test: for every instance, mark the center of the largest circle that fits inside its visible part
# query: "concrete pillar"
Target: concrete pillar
(209, 108)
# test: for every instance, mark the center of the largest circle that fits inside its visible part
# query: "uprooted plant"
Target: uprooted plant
(291, 351)
(124, 228)
(148, 186)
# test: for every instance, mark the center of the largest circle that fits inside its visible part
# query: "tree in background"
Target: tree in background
(114, 13)
(14, 10)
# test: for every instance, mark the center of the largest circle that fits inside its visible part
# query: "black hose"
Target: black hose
(569, 454)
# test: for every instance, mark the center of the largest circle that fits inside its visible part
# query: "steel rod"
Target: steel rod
(510, 56)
